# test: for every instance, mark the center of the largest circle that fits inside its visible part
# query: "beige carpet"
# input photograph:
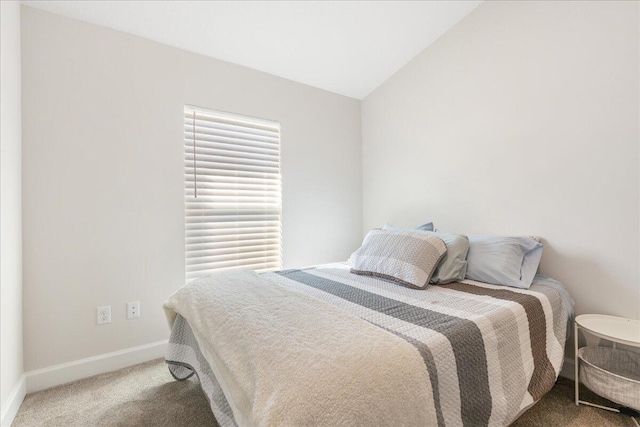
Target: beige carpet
(147, 395)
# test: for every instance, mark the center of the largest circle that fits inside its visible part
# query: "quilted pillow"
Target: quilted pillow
(408, 258)
(453, 266)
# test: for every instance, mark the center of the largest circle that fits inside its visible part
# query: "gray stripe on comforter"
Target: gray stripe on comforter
(464, 335)
(512, 372)
(544, 375)
(426, 355)
(185, 359)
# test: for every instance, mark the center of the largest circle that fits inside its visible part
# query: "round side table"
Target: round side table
(618, 330)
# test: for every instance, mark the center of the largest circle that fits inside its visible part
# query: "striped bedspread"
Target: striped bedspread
(490, 351)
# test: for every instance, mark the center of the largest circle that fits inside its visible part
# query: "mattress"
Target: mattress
(490, 351)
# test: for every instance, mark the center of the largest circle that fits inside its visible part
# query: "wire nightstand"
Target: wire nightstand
(618, 330)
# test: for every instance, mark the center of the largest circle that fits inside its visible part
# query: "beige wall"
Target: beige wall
(10, 204)
(103, 177)
(522, 119)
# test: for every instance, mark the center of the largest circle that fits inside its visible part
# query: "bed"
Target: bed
(323, 346)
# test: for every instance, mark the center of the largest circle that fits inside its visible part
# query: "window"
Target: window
(232, 192)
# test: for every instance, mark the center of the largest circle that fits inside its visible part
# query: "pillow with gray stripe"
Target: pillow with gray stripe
(408, 258)
(453, 266)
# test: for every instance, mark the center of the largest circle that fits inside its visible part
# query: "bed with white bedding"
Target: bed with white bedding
(323, 346)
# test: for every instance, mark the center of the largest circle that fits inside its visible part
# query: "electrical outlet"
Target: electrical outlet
(104, 315)
(133, 309)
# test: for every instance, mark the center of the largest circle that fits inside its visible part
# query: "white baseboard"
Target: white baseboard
(568, 368)
(41, 379)
(13, 403)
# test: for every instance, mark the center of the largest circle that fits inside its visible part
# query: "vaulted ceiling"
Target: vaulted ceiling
(347, 47)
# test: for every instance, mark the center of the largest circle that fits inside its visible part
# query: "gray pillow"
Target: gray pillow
(503, 260)
(405, 257)
(453, 266)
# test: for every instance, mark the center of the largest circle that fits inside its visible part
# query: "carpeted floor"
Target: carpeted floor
(147, 395)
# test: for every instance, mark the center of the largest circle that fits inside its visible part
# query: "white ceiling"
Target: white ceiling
(347, 47)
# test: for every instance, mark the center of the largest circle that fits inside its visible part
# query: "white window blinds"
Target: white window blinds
(232, 192)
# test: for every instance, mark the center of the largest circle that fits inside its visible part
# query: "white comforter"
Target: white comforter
(284, 358)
